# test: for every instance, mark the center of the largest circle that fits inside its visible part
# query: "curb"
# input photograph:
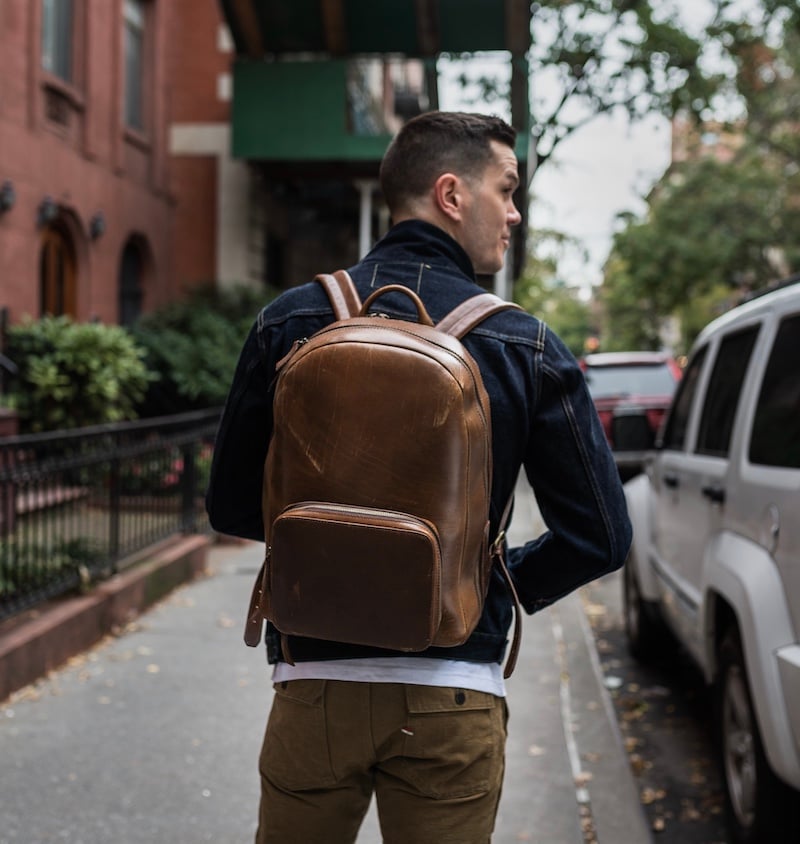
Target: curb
(617, 811)
(42, 642)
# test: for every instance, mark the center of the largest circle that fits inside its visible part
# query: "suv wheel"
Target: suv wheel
(643, 626)
(757, 802)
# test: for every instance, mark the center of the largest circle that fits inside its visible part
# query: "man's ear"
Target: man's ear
(448, 196)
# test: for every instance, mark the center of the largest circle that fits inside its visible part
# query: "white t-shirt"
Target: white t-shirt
(419, 671)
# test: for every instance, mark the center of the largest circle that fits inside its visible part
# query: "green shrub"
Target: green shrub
(193, 346)
(74, 374)
(24, 565)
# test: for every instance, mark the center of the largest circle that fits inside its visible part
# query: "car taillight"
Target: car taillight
(654, 417)
(605, 419)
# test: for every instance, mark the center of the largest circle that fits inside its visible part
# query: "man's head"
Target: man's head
(459, 172)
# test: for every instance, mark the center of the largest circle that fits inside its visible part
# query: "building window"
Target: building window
(57, 26)
(383, 93)
(134, 18)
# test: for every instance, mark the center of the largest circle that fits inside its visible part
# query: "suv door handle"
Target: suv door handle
(715, 494)
(671, 481)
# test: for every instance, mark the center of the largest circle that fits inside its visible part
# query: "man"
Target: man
(426, 732)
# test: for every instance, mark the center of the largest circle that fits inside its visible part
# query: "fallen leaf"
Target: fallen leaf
(639, 764)
(594, 610)
(651, 795)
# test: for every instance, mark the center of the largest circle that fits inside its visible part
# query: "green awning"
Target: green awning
(346, 27)
(297, 96)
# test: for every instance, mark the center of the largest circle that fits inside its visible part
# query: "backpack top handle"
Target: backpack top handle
(460, 321)
(422, 314)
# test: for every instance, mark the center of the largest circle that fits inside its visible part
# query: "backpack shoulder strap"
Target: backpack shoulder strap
(342, 293)
(464, 317)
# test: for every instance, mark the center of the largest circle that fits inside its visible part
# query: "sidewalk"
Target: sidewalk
(154, 736)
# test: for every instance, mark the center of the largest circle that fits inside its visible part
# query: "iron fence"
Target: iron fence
(76, 505)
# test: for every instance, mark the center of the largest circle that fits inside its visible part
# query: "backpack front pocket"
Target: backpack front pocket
(355, 574)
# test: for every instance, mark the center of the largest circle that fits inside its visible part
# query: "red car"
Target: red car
(631, 391)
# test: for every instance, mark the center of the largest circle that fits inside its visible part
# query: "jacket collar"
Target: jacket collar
(419, 240)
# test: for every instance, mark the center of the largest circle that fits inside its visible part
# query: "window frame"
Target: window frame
(62, 99)
(770, 384)
(718, 395)
(57, 37)
(685, 398)
(134, 98)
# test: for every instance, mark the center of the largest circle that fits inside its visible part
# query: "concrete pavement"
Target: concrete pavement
(153, 736)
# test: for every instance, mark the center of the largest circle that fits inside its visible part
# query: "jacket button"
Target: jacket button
(460, 698)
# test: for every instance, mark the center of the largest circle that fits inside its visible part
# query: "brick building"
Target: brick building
(144, 149)
(97, 219)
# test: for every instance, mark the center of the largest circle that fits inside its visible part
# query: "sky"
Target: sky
(603, 169)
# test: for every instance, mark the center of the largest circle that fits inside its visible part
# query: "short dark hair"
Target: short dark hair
(437, 142)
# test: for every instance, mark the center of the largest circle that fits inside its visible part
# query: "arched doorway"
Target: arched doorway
(131, 271)
(58, 278)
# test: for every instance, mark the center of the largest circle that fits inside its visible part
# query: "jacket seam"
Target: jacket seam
(569, 412)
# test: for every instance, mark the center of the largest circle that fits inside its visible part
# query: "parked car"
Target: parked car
(716, 551)
(631, 392)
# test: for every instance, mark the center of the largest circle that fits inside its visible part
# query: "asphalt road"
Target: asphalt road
(664, 713)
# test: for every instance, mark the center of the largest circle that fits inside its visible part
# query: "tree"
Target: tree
(540, 292)
(721, 224)
(591, 57)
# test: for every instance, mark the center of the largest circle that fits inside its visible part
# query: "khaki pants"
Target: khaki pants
(434, 757)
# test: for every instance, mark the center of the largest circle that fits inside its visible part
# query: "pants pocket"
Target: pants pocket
(295, 755)
(454, 743)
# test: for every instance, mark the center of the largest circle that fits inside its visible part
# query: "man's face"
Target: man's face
(489, 211)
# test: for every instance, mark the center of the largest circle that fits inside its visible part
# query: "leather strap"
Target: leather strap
(464, 317)
(286, 650)
(460, 321)
(516, 640)
(255, 616)
(342, 293)
(498, 558)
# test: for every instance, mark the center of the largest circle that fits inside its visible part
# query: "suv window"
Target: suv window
(776, 427)
(724, 388)
(678, 422)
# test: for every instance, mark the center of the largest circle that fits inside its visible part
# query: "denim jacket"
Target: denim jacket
(543, 421)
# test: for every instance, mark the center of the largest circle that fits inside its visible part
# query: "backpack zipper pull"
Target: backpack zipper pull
(298, 344)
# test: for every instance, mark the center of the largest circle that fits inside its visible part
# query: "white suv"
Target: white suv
(716, 550)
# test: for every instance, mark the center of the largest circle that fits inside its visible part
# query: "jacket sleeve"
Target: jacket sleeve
(233, 497)
(577, 486)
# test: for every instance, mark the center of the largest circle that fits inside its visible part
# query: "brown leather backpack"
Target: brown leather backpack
(377, 481)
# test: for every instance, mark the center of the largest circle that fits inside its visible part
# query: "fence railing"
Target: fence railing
(75, 505)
